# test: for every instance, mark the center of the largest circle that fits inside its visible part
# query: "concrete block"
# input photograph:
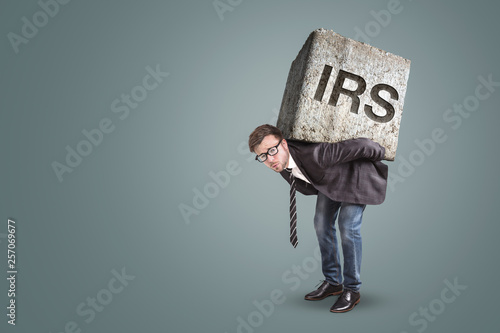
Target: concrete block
(339, 89)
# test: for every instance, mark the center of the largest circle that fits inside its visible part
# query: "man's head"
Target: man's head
(268, 143)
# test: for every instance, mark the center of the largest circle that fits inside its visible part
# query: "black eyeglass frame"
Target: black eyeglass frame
(265, 154)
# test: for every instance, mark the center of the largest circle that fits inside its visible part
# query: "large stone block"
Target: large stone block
(339, 89)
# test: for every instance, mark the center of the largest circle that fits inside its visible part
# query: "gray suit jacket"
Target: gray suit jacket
(348, 171)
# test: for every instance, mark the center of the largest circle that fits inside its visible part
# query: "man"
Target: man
(346, 176)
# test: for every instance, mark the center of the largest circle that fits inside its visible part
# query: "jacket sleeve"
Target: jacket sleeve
(329, 154)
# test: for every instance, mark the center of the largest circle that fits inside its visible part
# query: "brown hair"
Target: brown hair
(260, 133)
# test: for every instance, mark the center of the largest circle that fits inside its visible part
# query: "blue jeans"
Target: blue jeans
(349, 223)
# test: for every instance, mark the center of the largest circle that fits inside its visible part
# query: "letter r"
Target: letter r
(338, 89)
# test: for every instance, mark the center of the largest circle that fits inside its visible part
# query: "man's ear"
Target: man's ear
(284, 143)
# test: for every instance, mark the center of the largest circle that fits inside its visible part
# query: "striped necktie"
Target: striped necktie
(293, 212)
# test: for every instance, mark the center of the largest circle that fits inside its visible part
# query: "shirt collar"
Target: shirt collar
(291, 162)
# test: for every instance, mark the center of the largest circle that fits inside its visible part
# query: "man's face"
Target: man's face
(279, 161)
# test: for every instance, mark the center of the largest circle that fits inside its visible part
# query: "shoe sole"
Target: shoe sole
(346, 310)
(319, 299)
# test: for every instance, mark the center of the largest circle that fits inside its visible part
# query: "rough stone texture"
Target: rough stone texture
(309, 114)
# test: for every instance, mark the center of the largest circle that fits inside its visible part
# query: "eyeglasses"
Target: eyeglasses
(271, 152)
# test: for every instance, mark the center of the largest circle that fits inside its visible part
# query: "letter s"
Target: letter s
(382, 102)
(414, 322)
(450, 118)
(122, 108)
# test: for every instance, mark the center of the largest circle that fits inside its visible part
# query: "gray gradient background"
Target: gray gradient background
(120, 206)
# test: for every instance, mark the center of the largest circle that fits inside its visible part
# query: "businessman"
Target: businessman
(345, 176)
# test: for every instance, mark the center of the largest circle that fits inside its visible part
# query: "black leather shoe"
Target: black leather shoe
(326, 289)
(346, 302)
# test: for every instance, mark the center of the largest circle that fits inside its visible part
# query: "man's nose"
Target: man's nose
(271, 158)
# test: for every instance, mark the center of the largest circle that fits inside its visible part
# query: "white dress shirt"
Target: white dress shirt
(295, 169)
